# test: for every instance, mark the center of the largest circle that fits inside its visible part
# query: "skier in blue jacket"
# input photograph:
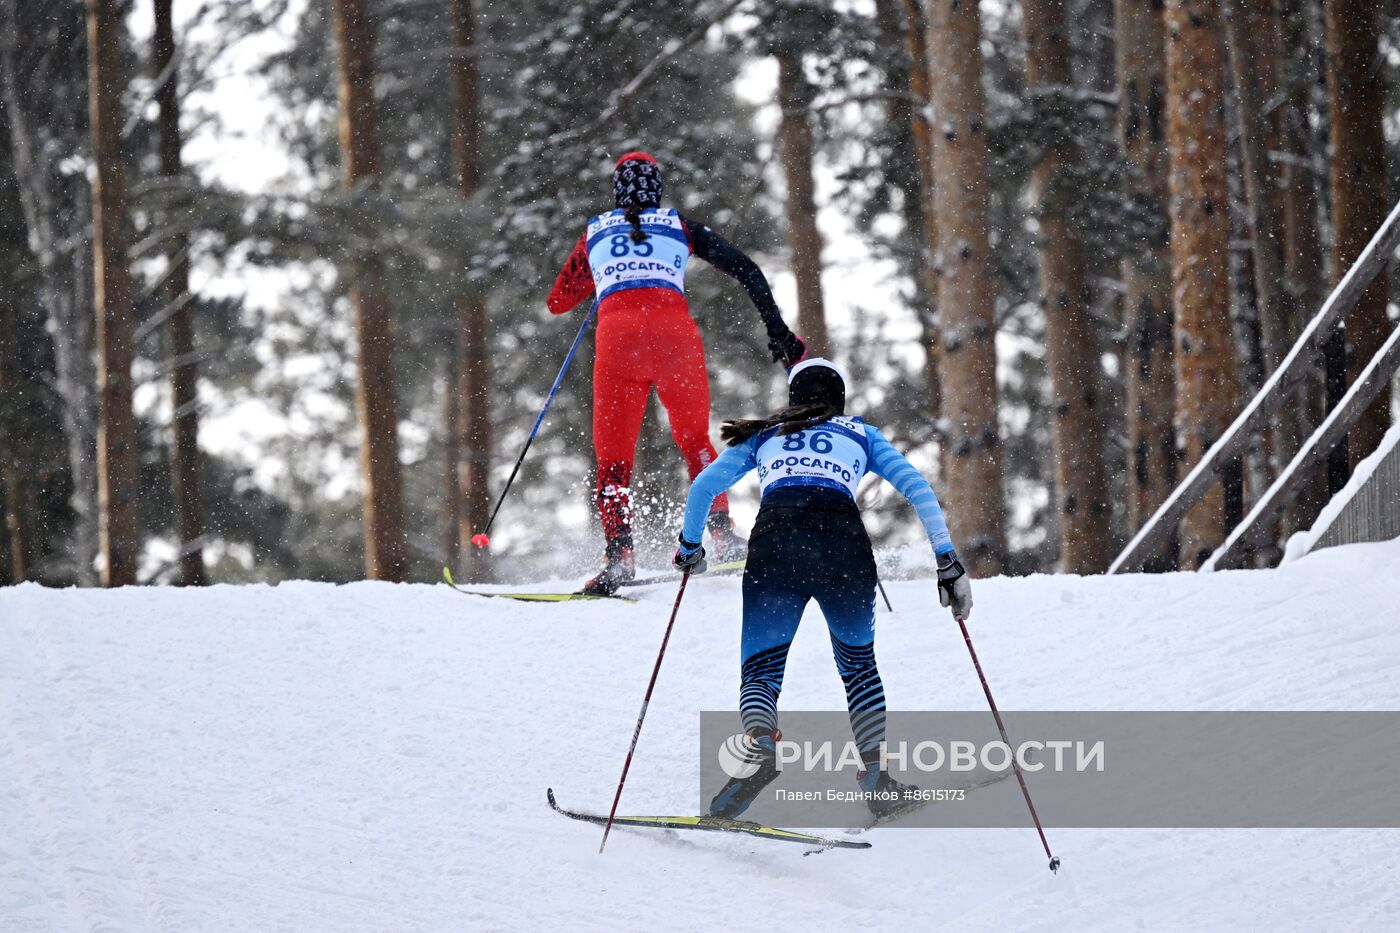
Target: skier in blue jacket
(808, 542)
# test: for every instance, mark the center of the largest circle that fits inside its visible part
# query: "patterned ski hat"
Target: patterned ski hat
(817, 381)
(637, 181)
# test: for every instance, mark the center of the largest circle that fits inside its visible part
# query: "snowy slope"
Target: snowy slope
(374, 757)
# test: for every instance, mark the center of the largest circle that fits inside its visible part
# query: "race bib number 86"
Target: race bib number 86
(832, 455)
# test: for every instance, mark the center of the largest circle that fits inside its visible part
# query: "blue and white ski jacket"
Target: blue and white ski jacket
(835, 454)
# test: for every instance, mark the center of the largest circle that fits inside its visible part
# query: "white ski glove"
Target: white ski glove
(954, 588)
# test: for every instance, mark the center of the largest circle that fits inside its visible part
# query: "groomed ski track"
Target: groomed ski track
(373, 757)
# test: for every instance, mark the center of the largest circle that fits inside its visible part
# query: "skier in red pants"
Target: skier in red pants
(635, 258)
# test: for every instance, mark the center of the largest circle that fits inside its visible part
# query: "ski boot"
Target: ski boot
(620, 568)
(890, 795)
(735, 796)
(728, 545)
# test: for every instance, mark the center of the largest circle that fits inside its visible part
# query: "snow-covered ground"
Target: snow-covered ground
(374, 757)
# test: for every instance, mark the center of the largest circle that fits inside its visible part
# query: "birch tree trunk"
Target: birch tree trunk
(1207, 389)
(795, 97)
(174, 292)
(112, 298)
(1151, 379)
(966, 292)
(1360, 193)
(1072, 346)
(376, 400)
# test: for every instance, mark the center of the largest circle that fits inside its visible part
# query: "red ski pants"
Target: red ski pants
(646, 338)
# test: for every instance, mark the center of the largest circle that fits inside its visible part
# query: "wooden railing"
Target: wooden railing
(1251, 532)
(1154, 534)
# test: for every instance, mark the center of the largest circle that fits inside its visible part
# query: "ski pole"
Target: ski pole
(883, 595)
(482, 538)
(1054, 860)
(646, 700)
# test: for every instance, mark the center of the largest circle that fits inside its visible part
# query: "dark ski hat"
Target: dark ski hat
(637, 181)
(817, 382)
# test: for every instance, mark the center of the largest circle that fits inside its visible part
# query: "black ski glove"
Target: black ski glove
(787, 348)
(690, 558)
(954, 588)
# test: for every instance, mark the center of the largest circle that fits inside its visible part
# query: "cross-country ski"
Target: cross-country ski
(709, 824)
(529, 597)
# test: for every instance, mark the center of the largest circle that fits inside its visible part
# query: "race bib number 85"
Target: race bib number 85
(618, 262)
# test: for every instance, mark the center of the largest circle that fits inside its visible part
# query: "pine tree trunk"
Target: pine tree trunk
(116, 433)
(184, 453)
(915, 32)
(795, 140)
(1255, 46)
(903, 21)
(376, 401)
(474, 420)
(16, 513)
(1305, 276)
(1249, 343)
(473, 425)
(1255, 37)
(452, 455)
(11, 475)
(1304, 270)
(1360, 192)
(1072, 346)
(1207, 387)
(971, 487)
(1151, 379)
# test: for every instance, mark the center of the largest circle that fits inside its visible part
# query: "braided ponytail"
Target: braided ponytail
(634, 217)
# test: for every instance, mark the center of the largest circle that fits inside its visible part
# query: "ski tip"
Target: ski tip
(830, 844)
(447, 576)
(549, 795)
